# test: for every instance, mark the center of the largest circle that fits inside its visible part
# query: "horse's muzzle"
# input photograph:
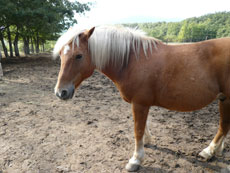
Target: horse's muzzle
(65, 93)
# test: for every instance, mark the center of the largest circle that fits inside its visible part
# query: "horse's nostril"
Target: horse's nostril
(63, 93)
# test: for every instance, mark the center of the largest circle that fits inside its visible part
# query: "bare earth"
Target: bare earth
(93, 132)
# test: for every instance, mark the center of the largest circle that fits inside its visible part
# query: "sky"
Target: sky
(131, 11)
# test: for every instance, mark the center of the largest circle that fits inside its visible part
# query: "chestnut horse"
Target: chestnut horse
(148, 73)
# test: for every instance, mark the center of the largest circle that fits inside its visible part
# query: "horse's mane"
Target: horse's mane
(110, 44)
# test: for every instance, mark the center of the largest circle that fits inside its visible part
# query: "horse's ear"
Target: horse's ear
(90, 32)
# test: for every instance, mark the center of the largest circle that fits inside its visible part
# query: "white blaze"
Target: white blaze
(66, 49)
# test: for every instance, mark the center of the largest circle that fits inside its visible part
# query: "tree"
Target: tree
(3, 44)
(34, 22)
(4, 15)
(184, 34)
(173, 31)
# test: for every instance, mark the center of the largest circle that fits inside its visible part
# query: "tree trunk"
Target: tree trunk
(3, 45)
(0, 55)
(43, 47)
(26, 45)
(32, 45)
(10, 42)
(1, 71)
(16, 50)
(37, 43)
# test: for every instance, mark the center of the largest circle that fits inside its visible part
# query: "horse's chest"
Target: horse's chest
(126, 93)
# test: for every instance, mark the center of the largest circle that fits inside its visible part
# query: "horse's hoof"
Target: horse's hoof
(206, 154)
(132, 167)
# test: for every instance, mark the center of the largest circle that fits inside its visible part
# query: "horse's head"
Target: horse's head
(75, 65)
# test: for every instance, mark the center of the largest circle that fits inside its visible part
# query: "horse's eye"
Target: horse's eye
(79, 56)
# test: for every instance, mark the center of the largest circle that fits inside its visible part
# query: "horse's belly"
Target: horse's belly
(190, 104)
(187, 99)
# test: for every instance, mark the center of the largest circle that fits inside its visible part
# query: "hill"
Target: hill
(189, 30)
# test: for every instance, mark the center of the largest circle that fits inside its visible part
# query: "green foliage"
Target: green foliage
(38, 20)
(190, 30)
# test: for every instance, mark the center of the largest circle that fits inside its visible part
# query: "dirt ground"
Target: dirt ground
(93, 132)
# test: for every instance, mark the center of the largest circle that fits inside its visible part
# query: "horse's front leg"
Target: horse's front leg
(140, 114)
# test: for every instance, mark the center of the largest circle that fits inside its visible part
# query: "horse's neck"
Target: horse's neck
(118, 73)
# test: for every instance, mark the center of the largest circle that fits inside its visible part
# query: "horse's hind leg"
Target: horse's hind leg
(217, 145)
(147, 135)
(140, 114)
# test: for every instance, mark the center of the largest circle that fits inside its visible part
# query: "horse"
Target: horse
(148, 72)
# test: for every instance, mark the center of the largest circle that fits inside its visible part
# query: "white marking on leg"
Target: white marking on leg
(220, 148)
(138, 157)
(213, 148)
(66, 49)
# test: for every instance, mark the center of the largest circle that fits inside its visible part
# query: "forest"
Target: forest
(26, 25)
(34, 22)
(189, 30)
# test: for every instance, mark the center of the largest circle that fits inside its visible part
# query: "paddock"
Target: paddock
(93, 132)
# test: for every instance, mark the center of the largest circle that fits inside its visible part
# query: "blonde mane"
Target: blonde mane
(110, 44)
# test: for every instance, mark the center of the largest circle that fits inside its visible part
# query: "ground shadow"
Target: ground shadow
(148, 169)
(195, 160)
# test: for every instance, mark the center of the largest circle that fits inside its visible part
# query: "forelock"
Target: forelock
(71, 35)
